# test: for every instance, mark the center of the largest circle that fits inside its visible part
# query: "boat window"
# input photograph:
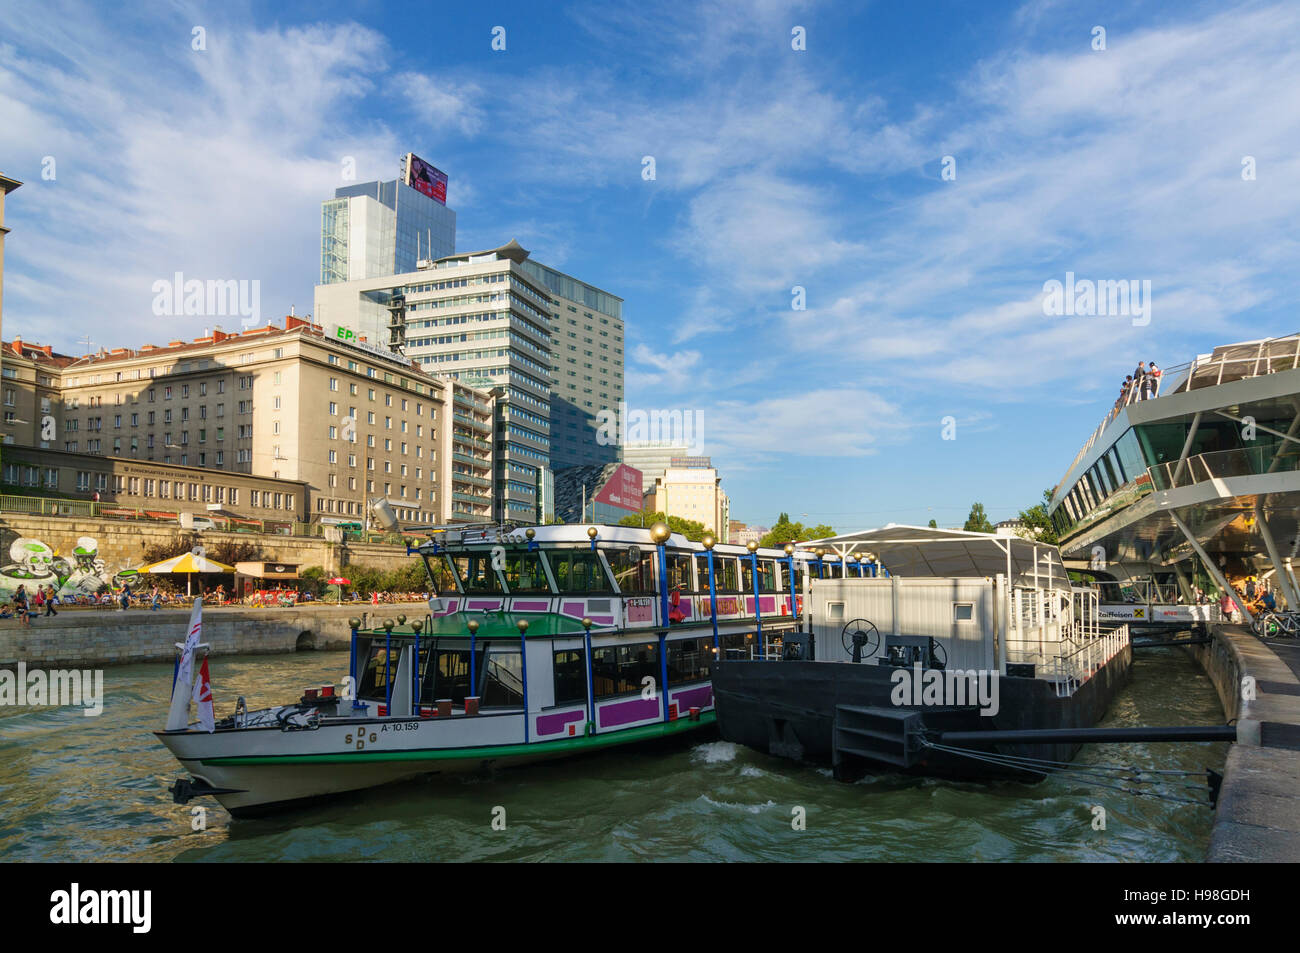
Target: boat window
(475, 572)
(963, 612)
(679, 572)
(441, 577)
(833, 570)
(738, 645)
(503, 685)
(524, 573)
(767, 575)
(570, 677)
(379, 670)
(448, 674)
(578, 571)
(633, 569)
(689, 660)
(726, 577)
(619, 669)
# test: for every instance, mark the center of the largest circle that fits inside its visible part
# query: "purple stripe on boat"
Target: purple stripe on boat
(701, 697)
(767, 603)
(576, 609)
(555, 723)
(518, 606)
(622, 713)
(602, 619)
(483, 605)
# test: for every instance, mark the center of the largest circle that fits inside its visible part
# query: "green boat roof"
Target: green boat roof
(498, 625)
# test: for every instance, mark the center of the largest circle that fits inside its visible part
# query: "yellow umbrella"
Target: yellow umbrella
(187, 563)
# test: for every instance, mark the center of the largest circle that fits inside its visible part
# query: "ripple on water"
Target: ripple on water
(95, 789)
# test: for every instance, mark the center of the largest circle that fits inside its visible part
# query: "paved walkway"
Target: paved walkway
(1258, 817)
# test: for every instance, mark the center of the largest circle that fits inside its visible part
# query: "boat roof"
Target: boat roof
(571, 533)
(912, 551)
(497, 625)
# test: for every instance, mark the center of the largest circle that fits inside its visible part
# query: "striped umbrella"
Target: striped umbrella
(187, 563)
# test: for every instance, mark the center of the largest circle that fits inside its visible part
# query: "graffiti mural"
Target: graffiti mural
(35, 563)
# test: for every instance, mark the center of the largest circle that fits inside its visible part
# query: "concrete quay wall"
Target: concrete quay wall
(98, 637)
(1258, 814)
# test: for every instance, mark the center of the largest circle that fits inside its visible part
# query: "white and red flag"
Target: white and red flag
(203, 698)
(178, 716)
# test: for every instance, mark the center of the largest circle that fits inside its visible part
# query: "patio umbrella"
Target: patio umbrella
(188, 563)
(340, 582)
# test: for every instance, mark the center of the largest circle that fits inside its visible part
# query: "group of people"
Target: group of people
(24, 605)
(1142, 384)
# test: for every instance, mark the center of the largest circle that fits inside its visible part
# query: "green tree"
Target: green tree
(785, 531)
(691, 529)
(933, 525)
(977, 522)
(1038, 525)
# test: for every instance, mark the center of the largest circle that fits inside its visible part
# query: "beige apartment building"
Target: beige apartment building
(693, 493)
(350, 421)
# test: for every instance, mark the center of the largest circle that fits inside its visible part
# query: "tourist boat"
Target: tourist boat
(539, 644)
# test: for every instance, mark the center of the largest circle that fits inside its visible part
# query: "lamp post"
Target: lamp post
(354, 623)
(708, 542)
(388, 666)
(758, 612)
(472, 625)
(794, 589)
(659, 534)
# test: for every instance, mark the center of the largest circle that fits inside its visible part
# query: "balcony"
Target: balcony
(1223, 464)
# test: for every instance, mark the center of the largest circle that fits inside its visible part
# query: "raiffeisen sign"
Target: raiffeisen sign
(349, 337)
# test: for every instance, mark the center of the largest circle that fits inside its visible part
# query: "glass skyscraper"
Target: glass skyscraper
(381, 228)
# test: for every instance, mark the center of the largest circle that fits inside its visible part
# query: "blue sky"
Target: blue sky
(775, 168)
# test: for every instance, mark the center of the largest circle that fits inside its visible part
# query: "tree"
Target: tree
(231, 551)
(784, 531)
(1038, 525)
(691, 529)
(933, 525)
(157, 552)
(977, 522)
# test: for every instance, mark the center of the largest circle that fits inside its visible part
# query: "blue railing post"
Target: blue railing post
(758, 612)
(663, 585)
(523, 670)
(713, 599)
(663, 671)
(591, 697)
(389, 674)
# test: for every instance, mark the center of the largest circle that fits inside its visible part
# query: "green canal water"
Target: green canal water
(94, 789)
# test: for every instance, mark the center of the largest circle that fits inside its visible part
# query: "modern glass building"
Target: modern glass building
(381, 228)
(587, 347)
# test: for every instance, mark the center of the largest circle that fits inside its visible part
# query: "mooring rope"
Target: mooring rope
(1087, 774)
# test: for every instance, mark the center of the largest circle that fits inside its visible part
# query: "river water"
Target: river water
(78, 788)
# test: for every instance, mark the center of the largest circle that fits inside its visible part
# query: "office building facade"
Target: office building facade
(479, 319)
(352, 422)
(587, 350)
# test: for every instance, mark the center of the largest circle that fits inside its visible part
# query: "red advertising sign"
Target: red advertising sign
(623, 489)
(426, 179)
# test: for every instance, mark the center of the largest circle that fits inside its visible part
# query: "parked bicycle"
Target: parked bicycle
(1269, 625)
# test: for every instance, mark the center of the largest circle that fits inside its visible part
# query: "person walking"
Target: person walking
(1139, 381)
(20, 606)
(126, 597)
(50, 599)
(154, 598)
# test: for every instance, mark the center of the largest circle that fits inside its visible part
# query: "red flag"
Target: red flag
(203, 698)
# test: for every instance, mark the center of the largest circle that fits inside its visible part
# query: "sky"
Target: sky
(914, 176)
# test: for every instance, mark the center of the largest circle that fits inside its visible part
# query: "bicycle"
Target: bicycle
(1269, 625)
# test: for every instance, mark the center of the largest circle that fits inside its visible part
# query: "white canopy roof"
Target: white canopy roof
(923, 551)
